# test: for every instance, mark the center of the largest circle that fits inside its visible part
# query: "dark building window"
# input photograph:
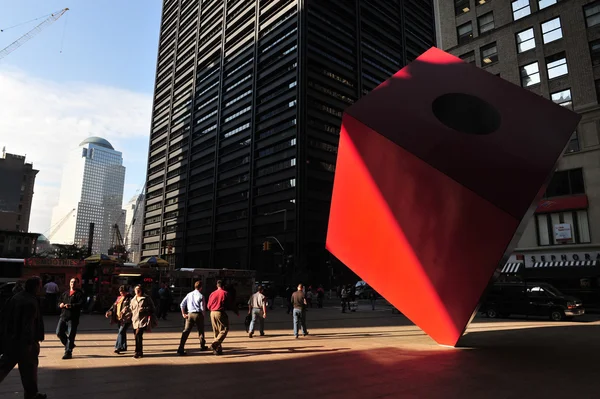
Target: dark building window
(551, 30)
(525, 40)
(573, 145)
(465, 33)
(468, 57)
(563, 98)
(530, 74)
(566, 182)
(592, 14)
(598, 90)
(486, 22)
(520, 9)
(546, 3)
(461, 6)
(557, 65)
(489, 54)
(595, 52)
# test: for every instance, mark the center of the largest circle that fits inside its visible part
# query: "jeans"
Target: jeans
(139, 341)
(121, 343)
(66, 332)
(257, 314)
(27, 359)
(299, 320)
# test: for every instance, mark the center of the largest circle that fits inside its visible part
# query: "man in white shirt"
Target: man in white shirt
(257, 306)
(192, 309)
(51, 291)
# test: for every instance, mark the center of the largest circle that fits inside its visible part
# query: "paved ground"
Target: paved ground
(367, 354)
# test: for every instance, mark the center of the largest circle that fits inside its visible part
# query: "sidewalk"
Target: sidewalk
(367, 354)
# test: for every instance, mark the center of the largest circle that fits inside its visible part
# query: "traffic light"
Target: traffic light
(268, 245)
(265, 245)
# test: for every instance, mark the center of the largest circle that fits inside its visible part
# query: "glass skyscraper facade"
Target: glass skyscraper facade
(91, 192)
(247, 109)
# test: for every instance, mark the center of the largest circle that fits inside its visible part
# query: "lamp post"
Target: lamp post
(283, 258)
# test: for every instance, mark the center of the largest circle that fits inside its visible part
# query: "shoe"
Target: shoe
(118, 352)
(67, 355)
(262, 334)
(181, 353)
(296, 337)
(306, 333)
(138, 356)
(204, 348)
(250, 335)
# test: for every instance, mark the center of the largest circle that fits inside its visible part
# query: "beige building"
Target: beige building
(551, 48)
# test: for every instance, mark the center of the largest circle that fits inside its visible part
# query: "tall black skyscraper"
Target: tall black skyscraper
(247, 109)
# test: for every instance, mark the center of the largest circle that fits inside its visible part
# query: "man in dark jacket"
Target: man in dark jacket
(21, 330)
(70, 303)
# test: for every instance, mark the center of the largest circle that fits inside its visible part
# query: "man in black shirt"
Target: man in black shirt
(70, 304)
(299, 304)
(21, 330)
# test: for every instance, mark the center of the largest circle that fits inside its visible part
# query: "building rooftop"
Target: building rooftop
(98, 141)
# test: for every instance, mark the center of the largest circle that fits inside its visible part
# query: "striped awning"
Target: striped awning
(566, 263)
(511, 267)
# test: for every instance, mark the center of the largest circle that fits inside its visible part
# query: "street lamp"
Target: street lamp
(283, 258)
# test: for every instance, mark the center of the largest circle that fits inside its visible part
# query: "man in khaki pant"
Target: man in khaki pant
(218, 304)
(192, 310)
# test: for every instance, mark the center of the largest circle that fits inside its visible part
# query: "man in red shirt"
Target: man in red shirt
(218, 304)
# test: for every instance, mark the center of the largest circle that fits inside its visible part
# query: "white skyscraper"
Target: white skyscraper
(91, 192)
(134, 223)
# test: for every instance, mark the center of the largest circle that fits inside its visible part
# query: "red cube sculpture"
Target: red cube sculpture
(438, 171)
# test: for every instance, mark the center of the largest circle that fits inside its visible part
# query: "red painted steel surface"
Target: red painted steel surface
(415, 209)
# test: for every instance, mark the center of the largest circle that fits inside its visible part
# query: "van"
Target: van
(530, 299)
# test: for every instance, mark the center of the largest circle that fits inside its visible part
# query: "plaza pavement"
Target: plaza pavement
(367, 354)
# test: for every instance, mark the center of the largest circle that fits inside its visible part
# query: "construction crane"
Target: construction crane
(32, 33)
(54, 229)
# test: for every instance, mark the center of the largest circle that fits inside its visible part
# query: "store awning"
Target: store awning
(566, 263)
(511, 267)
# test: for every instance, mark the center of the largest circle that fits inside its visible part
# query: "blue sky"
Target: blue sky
(101, 84)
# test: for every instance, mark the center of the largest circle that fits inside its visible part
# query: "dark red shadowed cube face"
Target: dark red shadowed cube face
(437, 172)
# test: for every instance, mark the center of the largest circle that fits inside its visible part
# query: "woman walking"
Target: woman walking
(120, 314)
(142, 317)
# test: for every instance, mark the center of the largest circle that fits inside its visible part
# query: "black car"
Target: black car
(6, 292)
(530, 299)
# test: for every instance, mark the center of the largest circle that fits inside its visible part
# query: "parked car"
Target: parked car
(530, 299)
(6, 292)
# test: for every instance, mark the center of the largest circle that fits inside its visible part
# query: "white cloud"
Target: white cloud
(45, 119)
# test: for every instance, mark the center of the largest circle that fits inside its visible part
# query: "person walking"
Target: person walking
(142, 314)
(165, 301)
(51, 290)
(193, 310)
(372, 298)
(120, 314)
(218, 303)
(70, 304)
(320, 296)
(21, 331)
(299, 305)
(258, 308)
(344, 297)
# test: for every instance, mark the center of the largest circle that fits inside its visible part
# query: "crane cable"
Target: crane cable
(26, 22)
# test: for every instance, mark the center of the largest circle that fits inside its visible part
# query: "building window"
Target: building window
(598, 90)
(486, 22)
(525, 40)
(573, 145)
(468, 57)
(520, 9)
(530, 74)
(465, 33)
(557, 65)
(592, 14)
(574, 228)
(595, 52)
(563, 98)
(566, 182)
(551, 30)
(546, 3)
(489, 54)
(461, 6)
